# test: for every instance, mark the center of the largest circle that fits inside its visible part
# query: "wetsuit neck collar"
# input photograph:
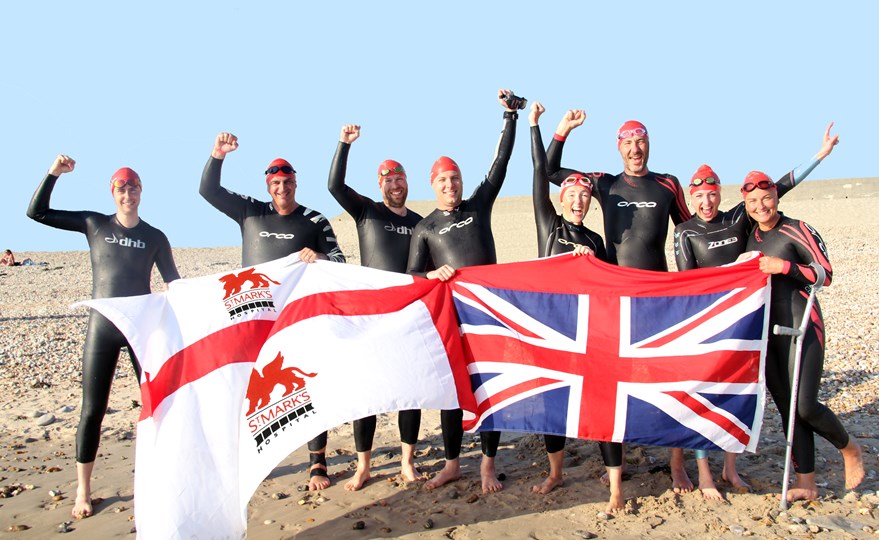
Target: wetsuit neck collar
(119, 222)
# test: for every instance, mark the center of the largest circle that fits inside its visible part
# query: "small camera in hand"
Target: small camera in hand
(514, 102)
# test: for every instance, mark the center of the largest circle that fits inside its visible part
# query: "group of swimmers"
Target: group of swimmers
(636, 203)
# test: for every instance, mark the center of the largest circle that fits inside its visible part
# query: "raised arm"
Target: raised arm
(794, 177)
(349, 199)
(570, 121)
(210, 189)
(39, 209)
(489, 189)
(544, 211)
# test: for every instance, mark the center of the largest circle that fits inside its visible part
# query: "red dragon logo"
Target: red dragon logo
(233, 283)
(260, 388)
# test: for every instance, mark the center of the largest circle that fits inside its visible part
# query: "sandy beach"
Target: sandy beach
(40, 354)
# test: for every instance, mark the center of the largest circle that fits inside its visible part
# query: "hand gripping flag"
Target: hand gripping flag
(242, 368)
(577, 347)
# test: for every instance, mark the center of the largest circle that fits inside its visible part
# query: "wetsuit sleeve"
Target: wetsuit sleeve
(227, 202)
(811, 248)
(165, 261)
(544, 212)
(489, 189)
(350, 200)
(327, 243)
(39, 210)
(794, 177)
(554, 169)
(683, 253)
(419, 254)
(680, 213)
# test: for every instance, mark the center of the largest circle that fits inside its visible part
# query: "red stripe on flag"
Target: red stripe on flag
(700, 409)
(238, 343)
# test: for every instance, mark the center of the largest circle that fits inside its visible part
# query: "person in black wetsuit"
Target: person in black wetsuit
(269, 231)
(637, 204)
(789, 246)
(558, 234)
(384, 231)
(714, 238)
(458, 234)
(123, 249)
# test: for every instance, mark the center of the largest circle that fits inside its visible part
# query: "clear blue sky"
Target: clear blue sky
(741, 86)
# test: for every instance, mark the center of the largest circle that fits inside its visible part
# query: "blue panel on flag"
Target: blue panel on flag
(646, 424)
(555, 310)
(469, 315)
(675, 309)
(749, 327)
(542, 413)
(742, 406)
(478, 379)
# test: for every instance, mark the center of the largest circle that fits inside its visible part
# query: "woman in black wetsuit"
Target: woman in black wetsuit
(789, 246)
(123, 249)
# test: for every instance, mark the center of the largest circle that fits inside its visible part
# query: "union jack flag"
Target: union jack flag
(577, 347)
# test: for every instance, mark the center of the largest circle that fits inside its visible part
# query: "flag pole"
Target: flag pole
(795, 384)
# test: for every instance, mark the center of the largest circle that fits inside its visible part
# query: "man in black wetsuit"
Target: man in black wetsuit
(789, 246)
(458, 234)
(714, 238)
(384, 231)
(269, 231)
(567, 233)
(123, 249)
(637, 204)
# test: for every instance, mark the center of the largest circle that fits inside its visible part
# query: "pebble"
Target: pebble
(45, 420)
(585, 534)
(453, 493)
(358, 525)
(428, 524)
(65, 527)
(737, 529)
(472, 498)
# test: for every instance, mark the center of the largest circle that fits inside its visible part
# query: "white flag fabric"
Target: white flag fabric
(242, 368)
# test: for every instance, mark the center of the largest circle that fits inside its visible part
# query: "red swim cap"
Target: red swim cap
(124, 176)
(279, 167)
(704, 178)
(389, 166)
(631, 128)
(757, 180)
(575, 179)
(443, 164)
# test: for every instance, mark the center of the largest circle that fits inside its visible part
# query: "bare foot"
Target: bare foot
(82, 507)
(361, 476)
(318, 481)
(490, 483)
(616, 504)
(731, 475)
(854, 464)
(805, 489)
(451, 472)
(680, 480)
(410, 473)
(548, 485)
(710, 493)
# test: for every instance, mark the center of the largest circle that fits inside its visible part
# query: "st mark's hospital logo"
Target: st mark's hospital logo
(267, 416)
(239, 300)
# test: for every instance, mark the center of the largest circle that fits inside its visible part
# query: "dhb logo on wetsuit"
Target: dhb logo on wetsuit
(402, 229)
(126, 242)
(458, 225)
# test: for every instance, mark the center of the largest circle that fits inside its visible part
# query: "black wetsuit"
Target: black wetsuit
(556, 235)
(384, 238)
(703, 244)
(799, 245)
(636, 211)
(122, 260)
(267, 235)
(459, 238)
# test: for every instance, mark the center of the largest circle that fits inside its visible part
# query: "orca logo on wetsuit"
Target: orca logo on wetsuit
(564, 242)
(125, 242)
(638, 204)
(279, 236)
(721, 243)
(402, 229)
(458, 225)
